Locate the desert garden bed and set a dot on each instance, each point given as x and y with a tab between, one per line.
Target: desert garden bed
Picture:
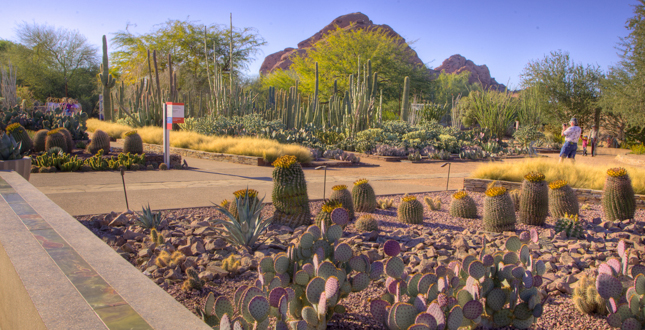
440	239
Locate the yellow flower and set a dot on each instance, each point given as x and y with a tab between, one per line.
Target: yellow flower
252	193
331	205
360	182
131	133
617	172
534	177
557	184
12	127
285	161
459	194
495	191
339	187
408	198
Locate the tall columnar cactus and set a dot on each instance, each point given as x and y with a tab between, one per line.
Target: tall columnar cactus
618	200
363	196
499	213
609	284
410	210
68	138
20	135
343	196
100	141
463	206
107	82
405	100
562	199
506	282
534	202
133	143
289	195
325	212
242	195
55	139
39	140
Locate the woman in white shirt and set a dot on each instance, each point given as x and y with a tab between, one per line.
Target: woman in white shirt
571	136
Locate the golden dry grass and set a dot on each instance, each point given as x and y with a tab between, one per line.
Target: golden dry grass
577	175
270	150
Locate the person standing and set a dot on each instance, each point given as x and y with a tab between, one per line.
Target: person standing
571	136
593	139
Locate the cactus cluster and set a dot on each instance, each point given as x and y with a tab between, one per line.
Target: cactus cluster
325	212
562	199
193	282
499	213
133	143
586	297
410	210
19	134
534	202
618	200
363	196
157	237
451	297
290	193
434	204
384	204
165	259
344	197
609	284
571	225
231	264
366	223
463	206
100	141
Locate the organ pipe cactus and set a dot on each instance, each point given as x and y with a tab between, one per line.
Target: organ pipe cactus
107	82
363	196
612	277
618	200
463	206
534	201
289	196
562	199
450	297
499	213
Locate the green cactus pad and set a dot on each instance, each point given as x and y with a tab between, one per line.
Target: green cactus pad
473	309
503	318
379	310
608	286
463	296
360	282
455	317
639	284
413	284
340	216
418	327
523	324
301	277
248	295
631	324
334	233
522	311
427	319
275	295
306	240
477	269
310	316
425	281
404	315
394	267
326	269
266	264
435	310
358	264
513	244
315	287
511	258
259	308
281	263
222	306
332	286
518	272
540	268
496	299
391	248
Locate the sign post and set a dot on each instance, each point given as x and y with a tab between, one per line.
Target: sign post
173	113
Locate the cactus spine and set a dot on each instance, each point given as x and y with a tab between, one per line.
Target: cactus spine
618	200
562	199
534	202
107	81
463	206
100	141
289	195
343	196
410	211
499	214
20	135
363	196
133	143
405	100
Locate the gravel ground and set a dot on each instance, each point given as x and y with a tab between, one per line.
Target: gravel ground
439	231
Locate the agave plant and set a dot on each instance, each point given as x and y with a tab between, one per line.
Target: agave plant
9	148
245	231
148	219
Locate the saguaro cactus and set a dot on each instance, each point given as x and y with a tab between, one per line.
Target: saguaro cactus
107	81
405	100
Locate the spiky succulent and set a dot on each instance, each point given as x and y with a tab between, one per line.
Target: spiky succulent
325	212
410	210
571	225
343	196
245	229
242	195
463	206
562	199
148	219
495	191
434	204
586	297
618	199
289	194
534	201
617	172
534	177
499	212
366	223
363	196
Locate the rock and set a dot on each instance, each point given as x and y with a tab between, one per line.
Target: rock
186	250
130	235
205	231
563	286
374	255
127	247
197	248
188	263
206	276
121	220
457	64
173	274
217	271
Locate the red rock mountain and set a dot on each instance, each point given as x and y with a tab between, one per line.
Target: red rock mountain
454	64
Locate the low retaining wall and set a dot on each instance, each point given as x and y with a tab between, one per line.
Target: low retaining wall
584	195
228	158
629	159
56	274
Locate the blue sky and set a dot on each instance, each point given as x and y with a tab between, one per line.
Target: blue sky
504	35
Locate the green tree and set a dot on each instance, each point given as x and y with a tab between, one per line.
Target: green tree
338	55
567	89
449	86
184	41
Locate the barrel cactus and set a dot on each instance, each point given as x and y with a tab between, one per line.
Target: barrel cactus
133	143
534	202
68	138
289	195
363	196
55	139
618	200
325	212
343	196
562	199
242	195
39	140
463	206
19	134
499	213
516	194
100	141
410	210
366	223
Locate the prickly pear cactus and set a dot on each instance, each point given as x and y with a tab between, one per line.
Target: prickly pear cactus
133	143
463	206
410	210
344	197
290	193
499	213
363	196
618	200
562	199
534	201
571	225
325	212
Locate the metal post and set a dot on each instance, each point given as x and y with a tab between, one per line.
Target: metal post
324	180
166	137
127	206
448	179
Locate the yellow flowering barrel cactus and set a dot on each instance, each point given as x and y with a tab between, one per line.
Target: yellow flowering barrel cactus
463	206
410	211
618	200
56	139
499	212
562	199
241	196
343	196
133	143
19	134
363	196
534	201
325	212
289	195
